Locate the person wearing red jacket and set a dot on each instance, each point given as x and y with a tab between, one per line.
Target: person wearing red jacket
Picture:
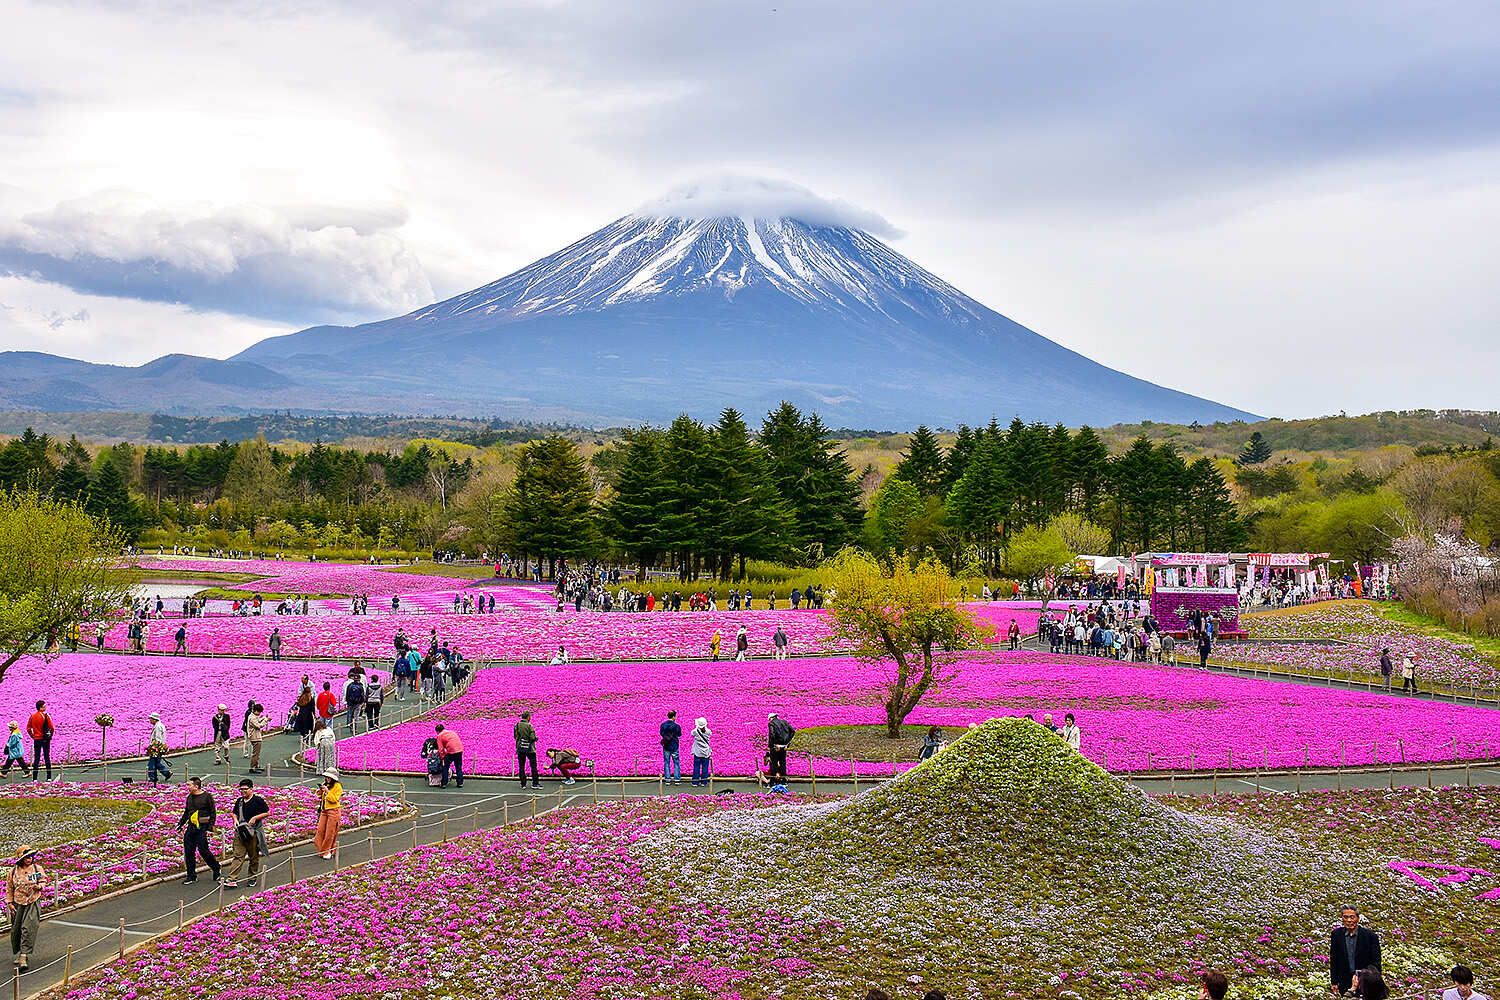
452	749
328	702
39	727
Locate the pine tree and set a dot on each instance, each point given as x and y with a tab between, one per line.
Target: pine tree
634	513
923	464
549	511
749	517
1256	451
815	480
72	481
109	498
958	457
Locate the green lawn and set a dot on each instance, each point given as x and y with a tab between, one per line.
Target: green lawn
48	821
1400	614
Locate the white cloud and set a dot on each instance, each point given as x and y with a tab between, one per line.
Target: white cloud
41	316
761	197
295	264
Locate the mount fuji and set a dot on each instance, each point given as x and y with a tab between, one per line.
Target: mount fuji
692	304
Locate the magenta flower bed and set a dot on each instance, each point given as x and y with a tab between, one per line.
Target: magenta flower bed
151	845
1363	632
1133	718
999	614
289	577
185	690
557	907
511	633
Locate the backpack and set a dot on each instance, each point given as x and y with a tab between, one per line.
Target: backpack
356	695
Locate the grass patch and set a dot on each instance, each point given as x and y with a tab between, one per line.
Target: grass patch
1401	615
865	743
45	822
484	571
222	594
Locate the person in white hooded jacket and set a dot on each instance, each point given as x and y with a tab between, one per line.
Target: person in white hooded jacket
702	751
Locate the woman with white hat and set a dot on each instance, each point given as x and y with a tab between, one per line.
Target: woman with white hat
330	808
24	884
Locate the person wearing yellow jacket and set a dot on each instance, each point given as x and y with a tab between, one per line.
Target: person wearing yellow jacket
330	799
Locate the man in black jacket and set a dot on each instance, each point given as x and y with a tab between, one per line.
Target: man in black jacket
778	737
196	822
1350	948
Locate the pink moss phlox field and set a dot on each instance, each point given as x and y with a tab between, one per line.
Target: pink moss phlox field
1362	633
112	859
512	633
556	906
1133	717
185	690
291	577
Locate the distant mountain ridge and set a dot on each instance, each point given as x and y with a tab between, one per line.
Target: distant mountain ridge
647	317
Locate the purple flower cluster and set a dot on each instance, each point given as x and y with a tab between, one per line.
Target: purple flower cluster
152	846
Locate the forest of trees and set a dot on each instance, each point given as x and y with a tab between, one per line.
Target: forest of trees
709	497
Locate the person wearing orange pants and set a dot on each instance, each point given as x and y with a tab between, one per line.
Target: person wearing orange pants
330	797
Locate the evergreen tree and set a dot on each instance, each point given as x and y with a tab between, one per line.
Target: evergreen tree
1256	450
109	497
959	457
1088	471
72	481
686	522
923	464
815	480
747	515
549	511
634	513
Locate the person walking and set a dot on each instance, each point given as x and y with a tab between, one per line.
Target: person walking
196	822
452	748
220	723
1351	947
157	769
24	885
328	703
702	752
713	646
374	699
273	642
1386	667
14	752
525	734
330	809
779	735
741	644
250	811
355	694
256	724
1408	673
671	741
39	727
181	637
779	640
1205	647
325	743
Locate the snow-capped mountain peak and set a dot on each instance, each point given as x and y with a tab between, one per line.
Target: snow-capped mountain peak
642	257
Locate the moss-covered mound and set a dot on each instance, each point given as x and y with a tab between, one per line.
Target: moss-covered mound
1007	860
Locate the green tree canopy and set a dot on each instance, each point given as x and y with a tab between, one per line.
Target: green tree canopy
59	571
906	619
549	511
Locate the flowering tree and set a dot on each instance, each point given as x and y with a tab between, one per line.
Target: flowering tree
906	619
59	571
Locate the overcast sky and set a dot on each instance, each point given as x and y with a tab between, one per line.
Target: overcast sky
1293	208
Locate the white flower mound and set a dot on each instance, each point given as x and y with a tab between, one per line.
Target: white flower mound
1004	859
